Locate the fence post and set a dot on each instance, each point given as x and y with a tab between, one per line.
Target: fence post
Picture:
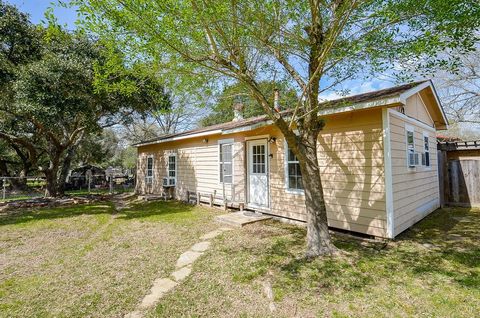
211	199
198	198
111	185
4	188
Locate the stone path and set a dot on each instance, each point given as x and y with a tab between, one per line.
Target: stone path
161	286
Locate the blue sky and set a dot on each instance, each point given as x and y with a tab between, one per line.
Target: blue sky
36	9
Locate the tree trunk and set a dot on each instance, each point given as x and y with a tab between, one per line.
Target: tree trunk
52	173
318	237
62	178
51	179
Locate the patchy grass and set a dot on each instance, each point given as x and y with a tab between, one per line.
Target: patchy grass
432	270
90	260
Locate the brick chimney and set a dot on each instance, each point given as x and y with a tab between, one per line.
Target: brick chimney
237	109
276	100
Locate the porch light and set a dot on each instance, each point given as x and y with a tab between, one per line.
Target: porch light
205	140
272	140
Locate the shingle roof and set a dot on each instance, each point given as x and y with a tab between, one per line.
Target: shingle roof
331	104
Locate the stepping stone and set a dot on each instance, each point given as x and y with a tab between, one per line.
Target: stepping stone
428	246
182	273
159	288
187	258
200	247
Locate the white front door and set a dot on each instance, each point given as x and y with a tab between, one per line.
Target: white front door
258	173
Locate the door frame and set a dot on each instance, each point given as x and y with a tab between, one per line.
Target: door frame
260	140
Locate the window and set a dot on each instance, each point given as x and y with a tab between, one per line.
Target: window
149	173
293	173
258	159
225	160
172	169
412	157
426	151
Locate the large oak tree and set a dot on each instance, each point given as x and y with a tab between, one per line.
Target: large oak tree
315	45
50	99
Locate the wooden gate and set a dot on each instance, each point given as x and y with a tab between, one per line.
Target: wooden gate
459	175
464	182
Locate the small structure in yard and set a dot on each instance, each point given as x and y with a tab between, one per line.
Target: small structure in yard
81	176
377	156
459	172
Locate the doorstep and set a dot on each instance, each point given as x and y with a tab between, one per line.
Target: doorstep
241	218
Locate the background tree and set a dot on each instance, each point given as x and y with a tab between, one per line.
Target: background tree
53	101
314	45
222	110
460	91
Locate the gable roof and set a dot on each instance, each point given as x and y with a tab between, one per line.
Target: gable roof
396	94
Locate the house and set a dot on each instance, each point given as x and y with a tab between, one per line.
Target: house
377	154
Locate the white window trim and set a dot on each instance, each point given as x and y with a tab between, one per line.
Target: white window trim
222	142
409	128
426	134
153	171
287	189
173	154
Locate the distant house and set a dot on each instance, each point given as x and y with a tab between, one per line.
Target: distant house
377	154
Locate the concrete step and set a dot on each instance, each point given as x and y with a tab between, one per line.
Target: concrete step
239	219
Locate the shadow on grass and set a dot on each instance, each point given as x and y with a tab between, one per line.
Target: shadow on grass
168	211
32	215
445	243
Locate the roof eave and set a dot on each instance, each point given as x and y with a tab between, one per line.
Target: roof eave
363	105
200	134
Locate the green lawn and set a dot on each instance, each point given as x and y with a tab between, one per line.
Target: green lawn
93	261
432	270
89	260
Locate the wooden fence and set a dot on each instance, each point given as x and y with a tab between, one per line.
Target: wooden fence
459	176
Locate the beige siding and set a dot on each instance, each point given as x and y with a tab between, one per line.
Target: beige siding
197	167
415	108
415	190
351	162
350	157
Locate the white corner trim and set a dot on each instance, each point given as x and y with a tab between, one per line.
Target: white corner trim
387	155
